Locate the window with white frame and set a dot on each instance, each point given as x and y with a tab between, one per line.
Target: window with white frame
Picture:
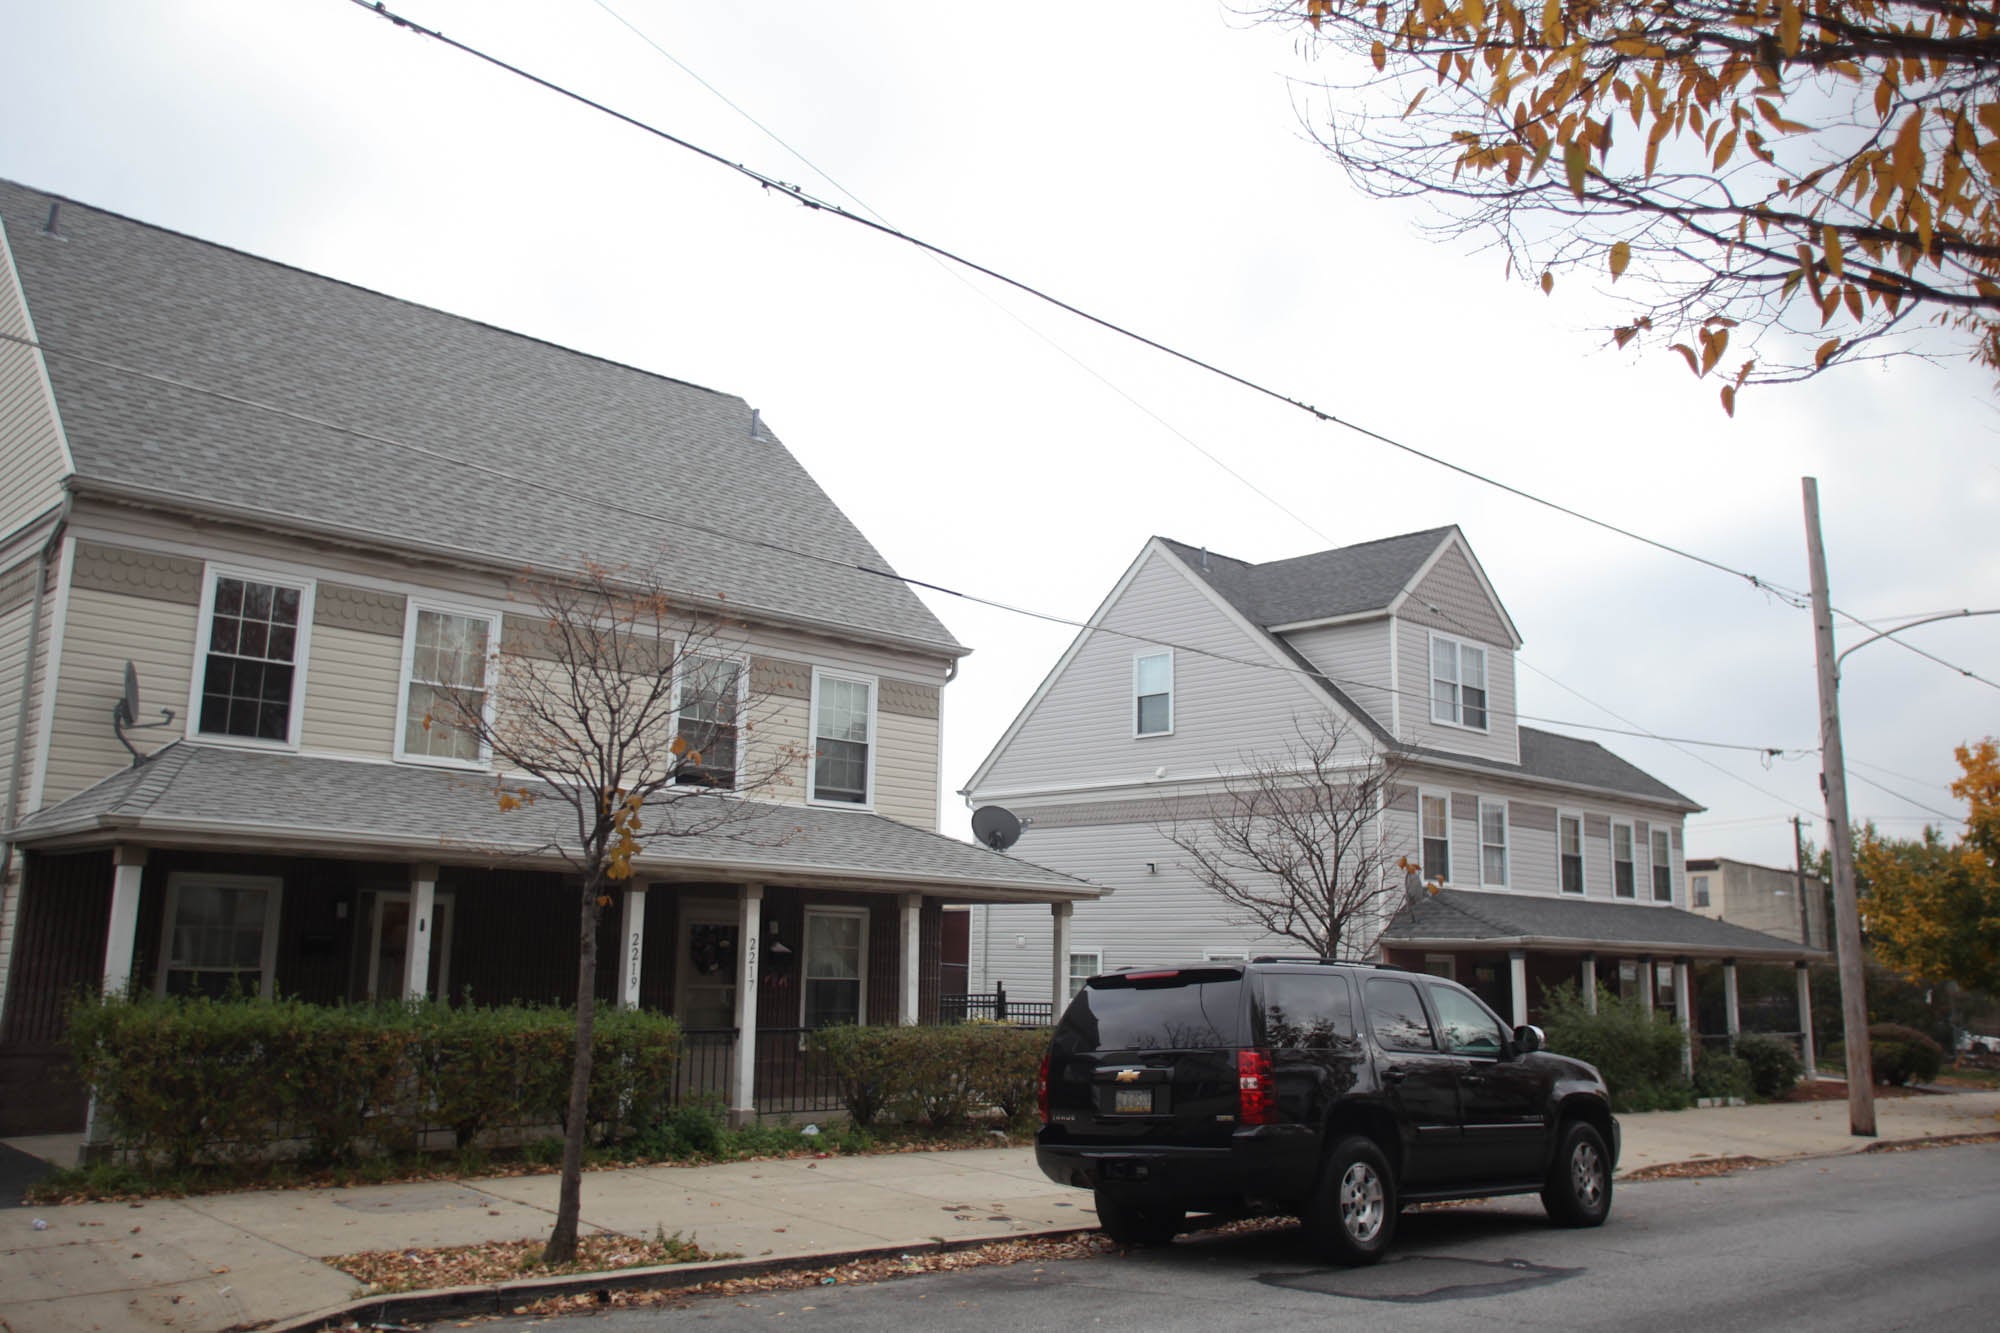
1700	883
1663	866
1569	852
445	689
1083	965
1458	682
1435	816
1624	881
843	738
711	695
221	935
250	679
1153	692
835	967
1493	843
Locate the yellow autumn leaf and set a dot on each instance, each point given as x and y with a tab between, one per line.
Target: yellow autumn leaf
1790	23
1548	282
1621	256
1576	162
1729	399
1380	55
1825	353
1830	244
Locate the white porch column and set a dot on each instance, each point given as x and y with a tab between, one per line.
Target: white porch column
1646	976
1590	983
912	918
1517	965
1806	1051
129	867
632	933
417	952
750	937
1684	1014
1729	1001
1059	957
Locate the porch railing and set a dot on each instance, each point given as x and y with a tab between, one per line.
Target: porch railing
997	1006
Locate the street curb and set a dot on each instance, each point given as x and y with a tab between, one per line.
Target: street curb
502	1297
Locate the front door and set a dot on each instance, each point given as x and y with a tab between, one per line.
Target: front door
705	993
389	945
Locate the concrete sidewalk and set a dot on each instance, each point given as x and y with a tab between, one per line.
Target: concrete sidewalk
246	1260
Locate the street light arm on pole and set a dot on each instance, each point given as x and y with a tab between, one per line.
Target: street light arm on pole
1927	620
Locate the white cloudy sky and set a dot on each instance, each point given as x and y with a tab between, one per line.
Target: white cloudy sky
1145	161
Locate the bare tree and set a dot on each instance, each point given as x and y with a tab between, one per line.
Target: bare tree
617	701
1295	844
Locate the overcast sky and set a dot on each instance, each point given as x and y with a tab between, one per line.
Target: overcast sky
1146	162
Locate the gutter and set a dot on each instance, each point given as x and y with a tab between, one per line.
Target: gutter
1567	945
8	814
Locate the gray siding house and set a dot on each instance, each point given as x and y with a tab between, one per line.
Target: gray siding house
199	448
1548	859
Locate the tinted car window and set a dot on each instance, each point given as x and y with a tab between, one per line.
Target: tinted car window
1303	1012
1397	1015
1468	1028
1112	1014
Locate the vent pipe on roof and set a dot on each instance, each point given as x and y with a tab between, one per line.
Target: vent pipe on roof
55	209
756	423
1204	560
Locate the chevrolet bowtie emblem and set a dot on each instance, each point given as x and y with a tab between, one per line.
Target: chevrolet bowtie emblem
1128	1076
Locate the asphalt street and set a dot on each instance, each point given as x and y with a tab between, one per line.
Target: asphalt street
1882	1241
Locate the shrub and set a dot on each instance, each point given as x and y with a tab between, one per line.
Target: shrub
1637	1050
1720	1074
1903	1055
936	1076
1774	1065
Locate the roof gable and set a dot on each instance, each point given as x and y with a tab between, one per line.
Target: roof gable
1325	585
189	374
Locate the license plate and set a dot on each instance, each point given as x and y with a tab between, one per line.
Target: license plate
1129	1101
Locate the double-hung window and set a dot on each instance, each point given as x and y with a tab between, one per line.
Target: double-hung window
1435	814
843	738
1153	692
1569	852
1083	965
1623	874
446	657
1663	866
1493	843
221	935
1701	890
1458	682
711	694
836	967
253	658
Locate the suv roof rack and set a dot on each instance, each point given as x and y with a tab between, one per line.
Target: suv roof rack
1328	962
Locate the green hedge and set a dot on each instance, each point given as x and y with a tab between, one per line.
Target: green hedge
1897	1054
197	1080
1636	1049
1774	1065
939	1077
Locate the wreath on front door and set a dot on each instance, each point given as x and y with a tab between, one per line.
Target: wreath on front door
711	948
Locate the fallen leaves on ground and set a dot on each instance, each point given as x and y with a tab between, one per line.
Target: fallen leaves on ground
1701	1166
1937	1141
384	1271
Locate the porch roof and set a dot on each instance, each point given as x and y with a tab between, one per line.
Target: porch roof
1456	918
225	799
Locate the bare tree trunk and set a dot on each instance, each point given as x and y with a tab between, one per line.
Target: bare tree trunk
561	1248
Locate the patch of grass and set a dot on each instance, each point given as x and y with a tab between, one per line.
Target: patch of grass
1966	1076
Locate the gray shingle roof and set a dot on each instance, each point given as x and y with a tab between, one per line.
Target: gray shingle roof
258	799
1460	916
435	431
1544	754
1345	581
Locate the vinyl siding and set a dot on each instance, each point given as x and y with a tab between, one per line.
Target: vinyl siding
1356	659
13	641
1080	732
351	683
1462	606
32	461
906	769
1500	741
104	630
14	623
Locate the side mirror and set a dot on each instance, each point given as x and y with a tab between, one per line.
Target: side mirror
1528	1039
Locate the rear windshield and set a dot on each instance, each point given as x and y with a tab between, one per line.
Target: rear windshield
1187	1010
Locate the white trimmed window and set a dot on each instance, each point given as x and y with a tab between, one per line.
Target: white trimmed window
1624	875
1434	815
1458	682
843	765
446	657
250	680
1569	852
1083	965
1663	866
1700	890
220	933
709	704
1153	694
1493	843
836	967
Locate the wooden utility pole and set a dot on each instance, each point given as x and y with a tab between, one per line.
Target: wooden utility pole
1833	782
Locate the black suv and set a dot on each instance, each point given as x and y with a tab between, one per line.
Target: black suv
1338	1092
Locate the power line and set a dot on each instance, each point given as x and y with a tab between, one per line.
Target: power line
1890	635
1907	800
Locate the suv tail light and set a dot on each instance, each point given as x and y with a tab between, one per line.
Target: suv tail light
1256	1090
1042	1088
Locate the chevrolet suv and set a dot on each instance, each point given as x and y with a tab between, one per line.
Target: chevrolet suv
1336	1092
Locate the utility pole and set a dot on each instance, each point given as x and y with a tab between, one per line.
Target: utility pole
1799	872
1833	782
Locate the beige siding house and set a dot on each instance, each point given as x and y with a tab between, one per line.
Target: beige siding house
265	498
1540	858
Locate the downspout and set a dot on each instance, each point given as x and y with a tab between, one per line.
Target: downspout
49	548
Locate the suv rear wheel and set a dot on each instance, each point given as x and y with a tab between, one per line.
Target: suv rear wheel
1578	1192
1138	1223
1354	1214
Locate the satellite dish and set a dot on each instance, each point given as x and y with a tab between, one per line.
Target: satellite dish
125	714
129	705
995	826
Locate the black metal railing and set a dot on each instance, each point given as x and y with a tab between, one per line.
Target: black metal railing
998	1007
703	1067
792	1077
